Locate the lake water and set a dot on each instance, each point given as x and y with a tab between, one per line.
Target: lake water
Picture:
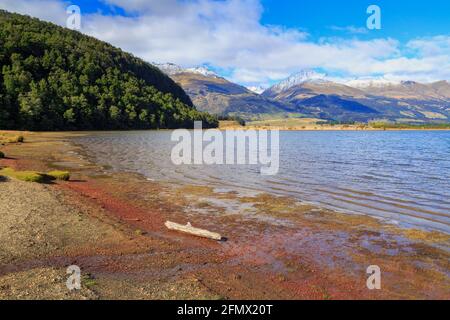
400	176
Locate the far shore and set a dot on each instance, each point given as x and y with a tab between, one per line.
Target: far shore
112	226
328	128
315	125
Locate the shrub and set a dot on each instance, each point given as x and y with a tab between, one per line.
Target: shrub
30	176
2	155
59	175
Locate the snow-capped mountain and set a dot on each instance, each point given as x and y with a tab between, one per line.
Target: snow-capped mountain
173	69
203	71
297	79
317	95
169	68
212	93
257	89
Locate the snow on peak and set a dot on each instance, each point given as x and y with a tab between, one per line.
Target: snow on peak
169	68
257	89
299	78
173	69
203	71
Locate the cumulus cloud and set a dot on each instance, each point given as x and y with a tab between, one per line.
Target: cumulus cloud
229	36
49	10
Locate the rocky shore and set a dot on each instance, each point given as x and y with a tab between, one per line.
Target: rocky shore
112	227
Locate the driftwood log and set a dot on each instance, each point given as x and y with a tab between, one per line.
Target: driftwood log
194	231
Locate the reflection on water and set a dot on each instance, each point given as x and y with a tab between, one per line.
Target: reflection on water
402	176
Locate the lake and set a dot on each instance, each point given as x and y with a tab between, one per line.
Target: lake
402	177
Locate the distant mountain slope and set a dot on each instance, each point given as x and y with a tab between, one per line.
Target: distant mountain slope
217	95
412	90
442	88
363	100
53	78
311	88
335	108
411	101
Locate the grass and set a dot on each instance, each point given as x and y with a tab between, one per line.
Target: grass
285	122
392	125
88	281
228	124
59	175
29	176
34	176
277	116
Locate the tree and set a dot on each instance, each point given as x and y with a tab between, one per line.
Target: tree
54	79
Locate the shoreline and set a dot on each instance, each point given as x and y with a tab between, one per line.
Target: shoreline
277	248
329	129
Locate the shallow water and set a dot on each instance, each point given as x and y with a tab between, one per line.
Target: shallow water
400	176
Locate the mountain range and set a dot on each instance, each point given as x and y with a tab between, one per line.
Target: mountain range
314	94
214	94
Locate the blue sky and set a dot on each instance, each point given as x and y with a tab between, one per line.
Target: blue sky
260	42
401	19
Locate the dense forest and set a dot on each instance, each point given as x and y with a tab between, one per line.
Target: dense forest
52	78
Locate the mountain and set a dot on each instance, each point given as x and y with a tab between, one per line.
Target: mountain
410	100
316	95
212	93
333	107
172	69
365	83
308	88
257	89
409	90
53	78
303	77
313	94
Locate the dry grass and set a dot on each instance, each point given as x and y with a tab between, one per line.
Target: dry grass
10	137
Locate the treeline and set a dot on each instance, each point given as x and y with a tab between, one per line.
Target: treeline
53	78
238	119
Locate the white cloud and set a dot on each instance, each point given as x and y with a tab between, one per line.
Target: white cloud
49	10
350	29
229	36
438	45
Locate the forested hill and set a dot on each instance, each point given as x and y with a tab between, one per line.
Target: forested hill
53	78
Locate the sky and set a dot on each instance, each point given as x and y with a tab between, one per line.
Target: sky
260	42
